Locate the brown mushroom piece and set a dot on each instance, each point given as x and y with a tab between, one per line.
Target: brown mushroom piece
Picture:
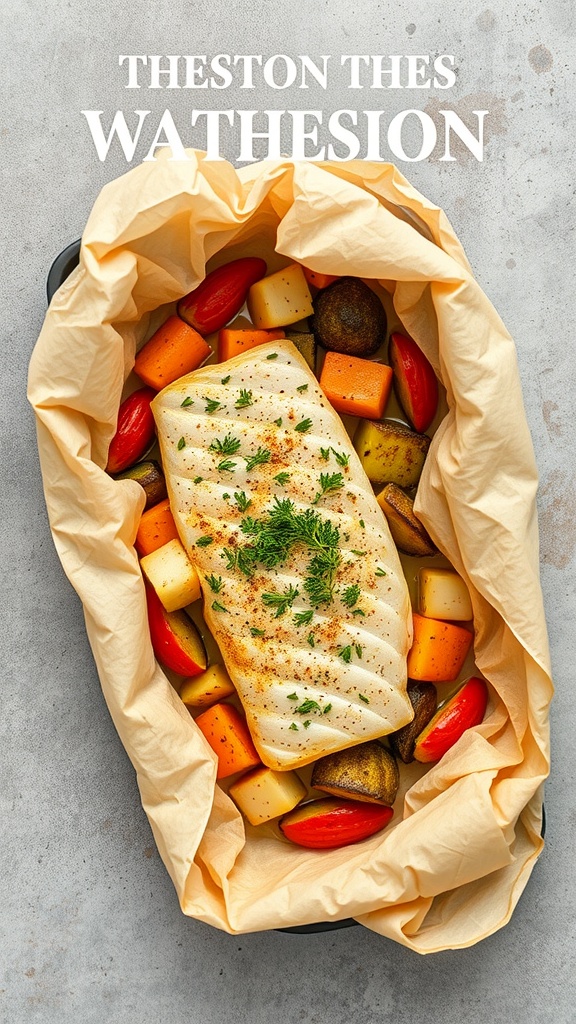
349	318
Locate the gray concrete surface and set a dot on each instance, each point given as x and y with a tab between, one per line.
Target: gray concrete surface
91	931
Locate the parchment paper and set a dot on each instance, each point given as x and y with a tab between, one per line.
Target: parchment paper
466	834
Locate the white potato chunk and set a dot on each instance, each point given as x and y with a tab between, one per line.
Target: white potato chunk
210	686
442	594
280	299
264	794
172	575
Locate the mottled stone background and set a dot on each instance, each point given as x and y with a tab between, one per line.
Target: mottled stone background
91	928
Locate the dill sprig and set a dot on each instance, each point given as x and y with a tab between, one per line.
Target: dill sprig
281	602
341	458
328	482
325	453
226	379
215	583
242	502
203	542
304	618
211	404
346	653
262	455
351	595
229	446
226	466
282	478
217	607
245	399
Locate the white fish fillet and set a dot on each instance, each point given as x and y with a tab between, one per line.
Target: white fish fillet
308	687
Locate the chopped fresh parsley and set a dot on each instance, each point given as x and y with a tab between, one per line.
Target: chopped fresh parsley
257	632
278	422
211	404
225	379
366	700
307	706
302	388
292	696
381	572
203	542
346	654
217	607
273	355
181	444
307	723
187	401
226	466
282	478
198	479
294	727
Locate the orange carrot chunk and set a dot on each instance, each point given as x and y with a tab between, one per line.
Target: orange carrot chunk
228	735
156	528
356	386
174	349
318	280
232	340
439	650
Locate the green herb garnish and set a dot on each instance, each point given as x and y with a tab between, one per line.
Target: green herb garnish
278	422
327	709
229	446
311	640
303	426
307	706
187	401
292	696
198	479
273	355
294	727
226	466
217	607
328	482
282	478
360	554
325	453
262	455
225	379
302	388
245	399
362	524
281	602
346	654
304	618
257	632
307	723
341	458
242	502
215	583
226	496
211	404
351	595
358	648
381	572
203	542
358	611
181	444
366	700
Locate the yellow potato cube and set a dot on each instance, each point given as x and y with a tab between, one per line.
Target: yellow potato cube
442	594
264	794
172	575
280	299
210	686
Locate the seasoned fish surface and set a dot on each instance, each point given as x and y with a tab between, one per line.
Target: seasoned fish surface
303	588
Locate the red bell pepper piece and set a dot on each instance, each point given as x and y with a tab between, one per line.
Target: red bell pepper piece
221	294
330	822
134	431
465	709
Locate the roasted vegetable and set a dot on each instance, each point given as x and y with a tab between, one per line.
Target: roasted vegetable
280	299
415	382
465	709
305	342
226	731
390	452
135	431
211	686
439	650
407	531
349	318
424	701
176	641
156	528
173	350
442	594
150	477
264	794
358	387
327	823
221	294
367	772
